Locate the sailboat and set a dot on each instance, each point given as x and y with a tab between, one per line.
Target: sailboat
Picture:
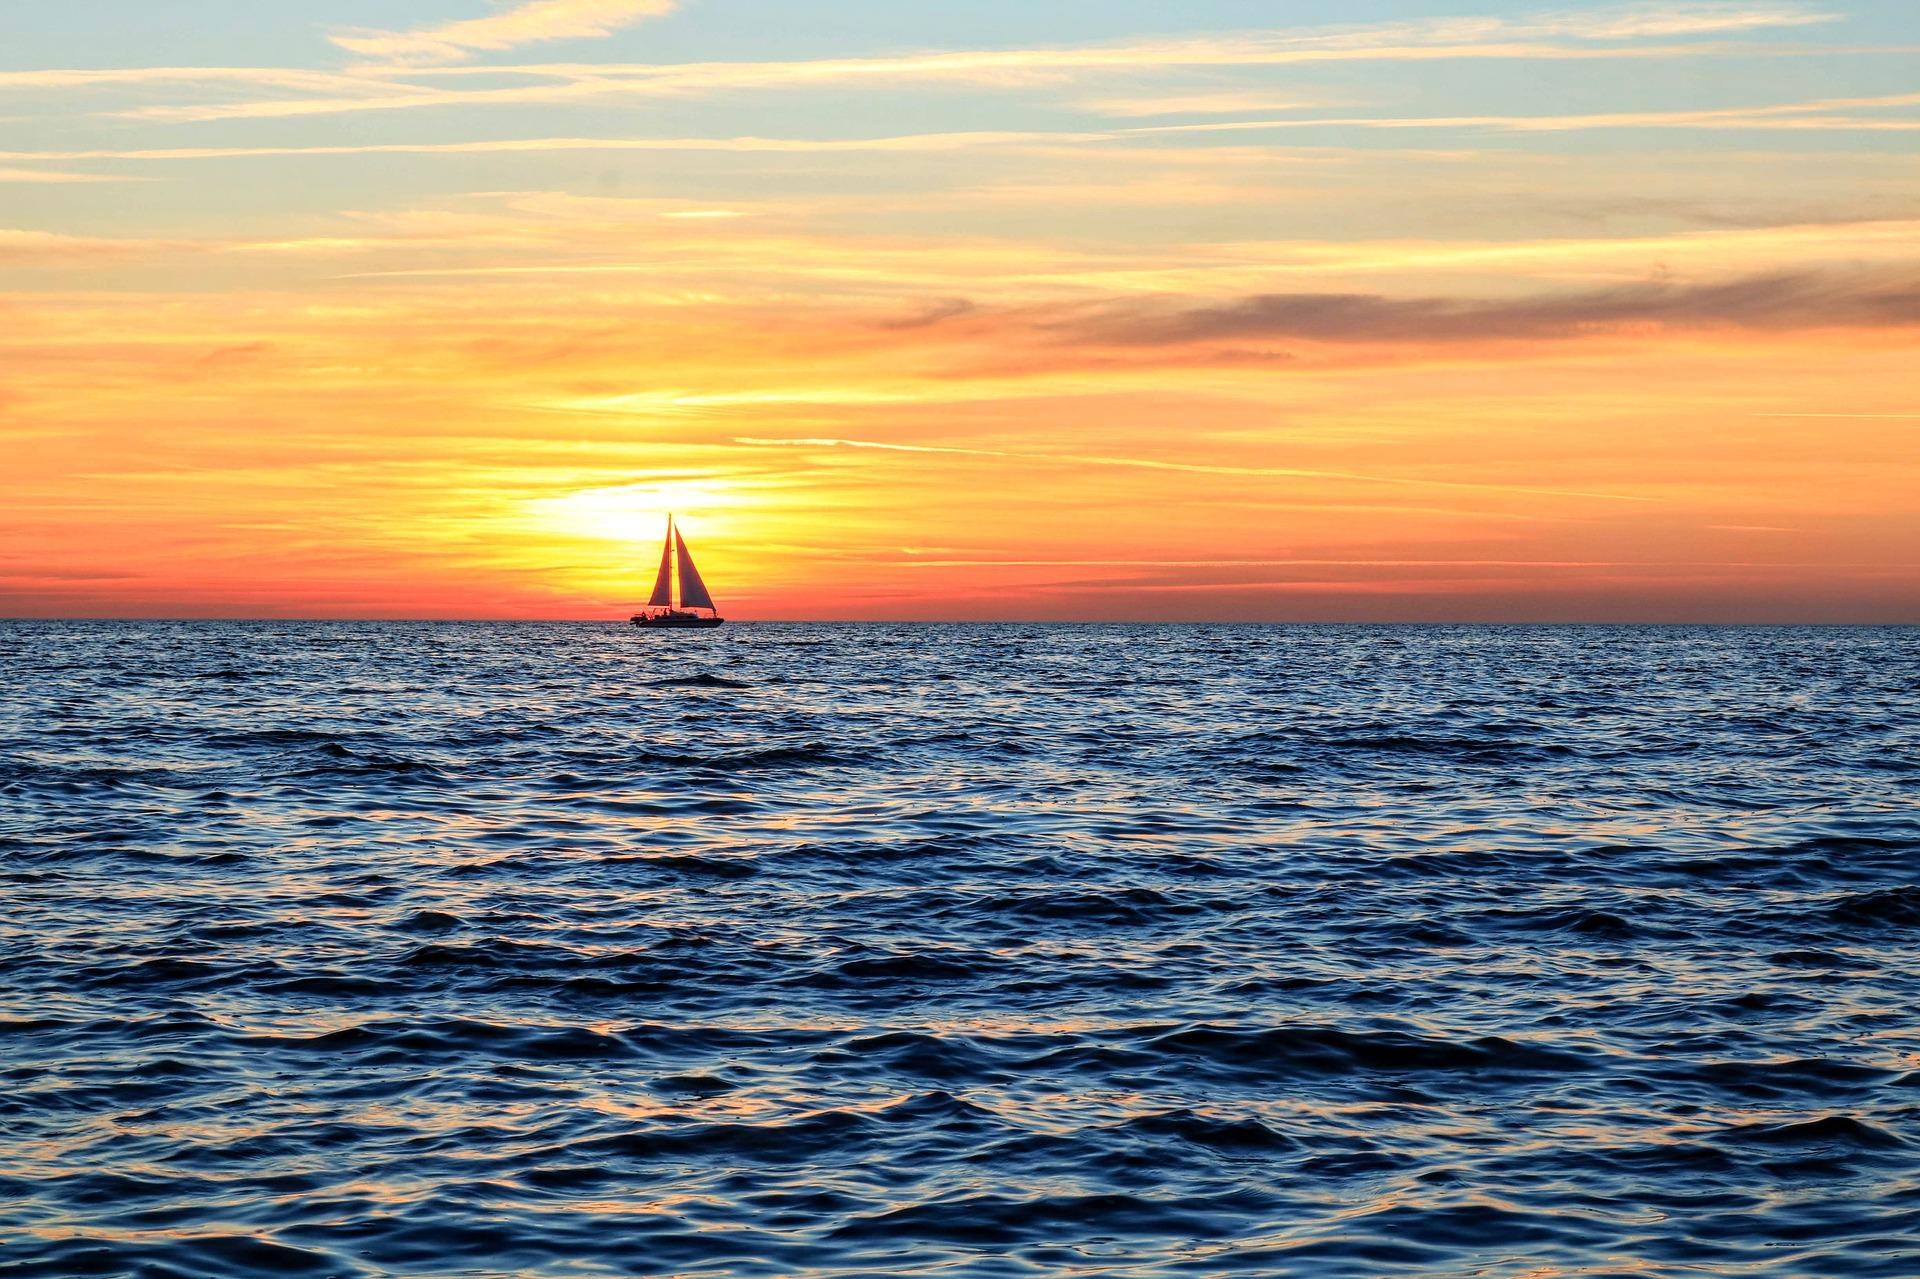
680	598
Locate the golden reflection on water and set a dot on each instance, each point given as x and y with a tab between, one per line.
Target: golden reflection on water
489	938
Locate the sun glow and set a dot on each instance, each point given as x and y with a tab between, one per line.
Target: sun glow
636	514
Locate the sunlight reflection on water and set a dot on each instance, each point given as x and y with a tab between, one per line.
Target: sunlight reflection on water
1335	951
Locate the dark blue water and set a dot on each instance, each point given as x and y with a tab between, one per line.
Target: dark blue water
400	950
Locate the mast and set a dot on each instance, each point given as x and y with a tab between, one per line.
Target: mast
666	555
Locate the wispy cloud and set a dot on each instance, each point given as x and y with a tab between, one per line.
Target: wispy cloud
1222	102
1015	68
1360	563
1640	21
1809	114
50	176
272	77
932	142
1604	34
46	248
529	23
1778	301
1188	468
1813	114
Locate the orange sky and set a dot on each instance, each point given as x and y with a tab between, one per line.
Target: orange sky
1026	336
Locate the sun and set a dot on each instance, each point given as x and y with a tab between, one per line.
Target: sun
635	513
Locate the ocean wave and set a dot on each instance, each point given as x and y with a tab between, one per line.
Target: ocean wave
408	949
705	679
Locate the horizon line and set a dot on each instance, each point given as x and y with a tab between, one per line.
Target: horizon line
964	621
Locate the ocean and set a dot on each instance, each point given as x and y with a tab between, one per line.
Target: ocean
392	949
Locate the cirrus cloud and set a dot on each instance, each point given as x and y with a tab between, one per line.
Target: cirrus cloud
531	23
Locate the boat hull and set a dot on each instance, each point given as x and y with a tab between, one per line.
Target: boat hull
677	623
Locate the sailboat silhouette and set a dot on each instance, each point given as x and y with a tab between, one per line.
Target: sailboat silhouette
680	597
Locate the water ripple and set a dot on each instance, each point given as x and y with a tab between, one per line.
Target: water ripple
397	950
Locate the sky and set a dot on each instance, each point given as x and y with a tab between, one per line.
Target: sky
1459	310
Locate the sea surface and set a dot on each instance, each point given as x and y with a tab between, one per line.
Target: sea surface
996	950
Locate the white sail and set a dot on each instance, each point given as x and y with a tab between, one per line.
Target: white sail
693	591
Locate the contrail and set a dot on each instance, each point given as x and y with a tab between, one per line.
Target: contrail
1191	468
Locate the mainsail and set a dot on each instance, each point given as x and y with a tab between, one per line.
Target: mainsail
662	596
693	591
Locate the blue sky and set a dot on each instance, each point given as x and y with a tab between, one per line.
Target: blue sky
1720	55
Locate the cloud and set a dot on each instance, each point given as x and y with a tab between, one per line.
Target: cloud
54	176
587	84
932	142
1357	563
1810	114
1224	102
1815	114
46	248
275	77
1642	21
929	315
1188	468
530	23
1602	34
1779	301
993	68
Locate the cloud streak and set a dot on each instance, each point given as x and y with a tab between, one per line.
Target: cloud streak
530	23
1816	114
112	77
1014	68
1187	468
1223	102
898	142
1784	300
1810	114
1384	563
48	248
1606	34
53	176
